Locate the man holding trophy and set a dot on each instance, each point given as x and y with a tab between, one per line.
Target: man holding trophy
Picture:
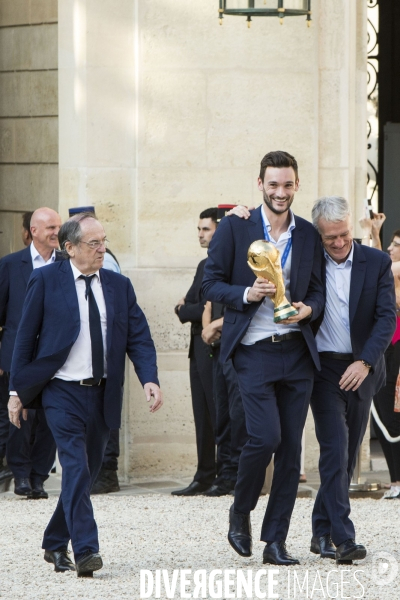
267	333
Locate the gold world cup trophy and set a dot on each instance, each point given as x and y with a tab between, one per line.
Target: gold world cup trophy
265	261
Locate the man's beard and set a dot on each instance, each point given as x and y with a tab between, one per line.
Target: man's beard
271	207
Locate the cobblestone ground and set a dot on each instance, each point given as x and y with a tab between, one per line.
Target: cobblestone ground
160	532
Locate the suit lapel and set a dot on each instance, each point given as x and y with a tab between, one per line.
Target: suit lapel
255	229
68	286
357	279
108	292
26	264
298	238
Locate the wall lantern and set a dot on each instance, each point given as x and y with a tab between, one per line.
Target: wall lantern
265	8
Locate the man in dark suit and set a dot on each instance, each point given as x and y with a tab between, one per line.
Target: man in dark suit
354	331
78	323
29	463
190	309
274	362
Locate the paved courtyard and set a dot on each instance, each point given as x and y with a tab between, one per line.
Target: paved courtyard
155	531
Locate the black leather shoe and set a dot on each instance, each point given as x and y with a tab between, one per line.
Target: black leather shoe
22	487
106	482
349	551
275	553
193	489
323	545
220	489
38	490
60	560
88	563
239	534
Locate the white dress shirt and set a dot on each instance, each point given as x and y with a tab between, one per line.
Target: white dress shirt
262	324
334	333
38	260
79	362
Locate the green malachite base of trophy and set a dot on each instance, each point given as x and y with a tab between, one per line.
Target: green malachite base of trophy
283	312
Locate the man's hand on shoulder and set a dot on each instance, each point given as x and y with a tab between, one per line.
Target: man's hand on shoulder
240	211
15	408
261	288
152	391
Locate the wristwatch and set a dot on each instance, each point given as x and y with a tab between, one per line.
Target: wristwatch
366	364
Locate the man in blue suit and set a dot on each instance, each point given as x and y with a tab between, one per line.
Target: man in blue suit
78	323
30	464
354	331
274	362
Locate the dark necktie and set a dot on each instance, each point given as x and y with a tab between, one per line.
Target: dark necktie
96	336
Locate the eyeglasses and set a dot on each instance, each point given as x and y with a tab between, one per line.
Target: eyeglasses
96	244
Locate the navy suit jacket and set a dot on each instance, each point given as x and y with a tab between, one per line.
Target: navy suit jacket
372	313
50	325
227	275
15	270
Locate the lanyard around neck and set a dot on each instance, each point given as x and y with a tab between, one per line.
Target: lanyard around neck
287	249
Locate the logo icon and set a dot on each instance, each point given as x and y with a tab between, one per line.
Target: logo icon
384	568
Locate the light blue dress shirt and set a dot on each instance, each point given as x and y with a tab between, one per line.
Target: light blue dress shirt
334	333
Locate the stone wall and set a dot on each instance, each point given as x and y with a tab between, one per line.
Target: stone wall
28	113
164	113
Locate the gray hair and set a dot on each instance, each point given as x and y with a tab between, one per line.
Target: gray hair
71	230
330	208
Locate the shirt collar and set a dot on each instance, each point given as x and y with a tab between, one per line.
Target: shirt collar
35	254
347	262
292	223
76	272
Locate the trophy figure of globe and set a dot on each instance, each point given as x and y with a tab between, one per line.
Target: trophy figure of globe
265	261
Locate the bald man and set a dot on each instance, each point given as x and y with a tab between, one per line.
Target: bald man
30	463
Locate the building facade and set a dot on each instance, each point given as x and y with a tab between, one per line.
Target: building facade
151	111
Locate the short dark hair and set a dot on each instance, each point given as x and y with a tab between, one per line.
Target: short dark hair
70	231
279	159
395	234
26	222
209	213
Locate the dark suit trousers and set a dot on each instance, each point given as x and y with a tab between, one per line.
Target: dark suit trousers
4	420
231	432
30	456
76	417
275	380
201	384
340	422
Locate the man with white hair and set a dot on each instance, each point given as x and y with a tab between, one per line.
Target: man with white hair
352	335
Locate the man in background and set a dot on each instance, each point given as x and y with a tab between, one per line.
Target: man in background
190	309
29	463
